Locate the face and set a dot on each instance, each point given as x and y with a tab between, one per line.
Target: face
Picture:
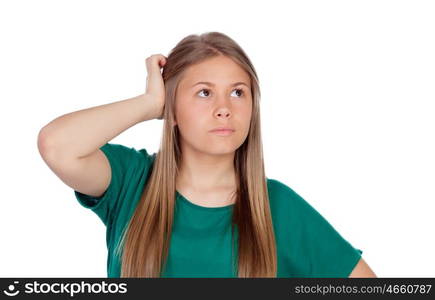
201	107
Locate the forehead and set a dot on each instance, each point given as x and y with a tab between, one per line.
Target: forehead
219	70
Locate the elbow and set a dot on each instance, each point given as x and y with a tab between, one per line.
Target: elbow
44	142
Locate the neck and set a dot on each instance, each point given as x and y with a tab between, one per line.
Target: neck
203	172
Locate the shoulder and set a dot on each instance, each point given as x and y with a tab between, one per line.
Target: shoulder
283	195
120	149
286	203
277	188
127	156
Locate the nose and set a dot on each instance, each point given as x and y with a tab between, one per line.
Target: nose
223	110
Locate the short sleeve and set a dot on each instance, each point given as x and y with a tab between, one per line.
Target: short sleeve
127	166
329	253
308	245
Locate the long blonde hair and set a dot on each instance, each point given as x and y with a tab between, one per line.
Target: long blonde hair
146	240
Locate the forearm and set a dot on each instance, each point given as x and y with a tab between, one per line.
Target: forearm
82	132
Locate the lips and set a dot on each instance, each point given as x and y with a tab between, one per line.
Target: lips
222	132
222	129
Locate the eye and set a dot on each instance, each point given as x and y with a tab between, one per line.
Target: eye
241	92
204	90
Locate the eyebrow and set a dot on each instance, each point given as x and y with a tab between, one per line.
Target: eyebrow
212	84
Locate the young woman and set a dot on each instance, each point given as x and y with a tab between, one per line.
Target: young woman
201	206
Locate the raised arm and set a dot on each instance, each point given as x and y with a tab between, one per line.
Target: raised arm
70	144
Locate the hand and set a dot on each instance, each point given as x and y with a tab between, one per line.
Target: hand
155	87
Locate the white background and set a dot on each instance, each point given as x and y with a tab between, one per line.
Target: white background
347	112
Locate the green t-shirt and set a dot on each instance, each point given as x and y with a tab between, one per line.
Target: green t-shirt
307	244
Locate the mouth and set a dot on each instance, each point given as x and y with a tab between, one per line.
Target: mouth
223	132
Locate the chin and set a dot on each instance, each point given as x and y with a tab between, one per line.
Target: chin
216	150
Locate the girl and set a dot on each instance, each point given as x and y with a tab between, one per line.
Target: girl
201	206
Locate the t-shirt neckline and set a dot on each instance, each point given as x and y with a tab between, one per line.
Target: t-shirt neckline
205	208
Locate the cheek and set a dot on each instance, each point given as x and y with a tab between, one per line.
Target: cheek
191	118
243	114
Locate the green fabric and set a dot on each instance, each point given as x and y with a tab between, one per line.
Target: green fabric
307	245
